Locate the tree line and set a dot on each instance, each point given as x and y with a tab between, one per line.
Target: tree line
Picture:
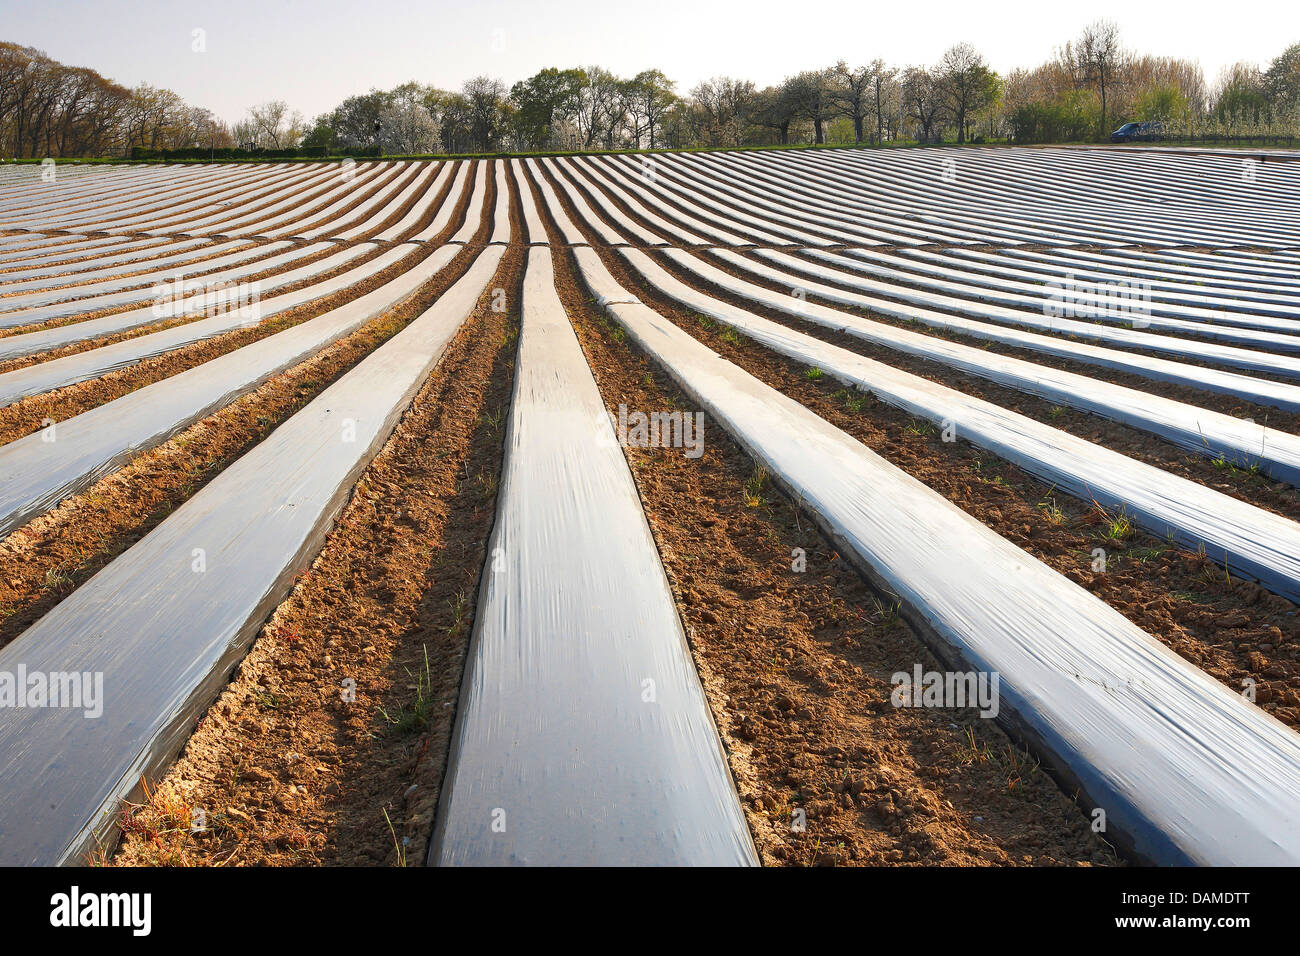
1090	85
49	109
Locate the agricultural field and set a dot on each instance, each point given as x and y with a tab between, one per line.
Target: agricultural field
834	507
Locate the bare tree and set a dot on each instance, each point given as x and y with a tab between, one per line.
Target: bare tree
407	125
725	104
599	106
966	83
647	97
923	101
274	125
1282	81
155	118
774	109
485	99
1101	60
882	91
852	91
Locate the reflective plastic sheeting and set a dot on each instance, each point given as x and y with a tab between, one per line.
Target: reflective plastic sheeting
191	296
94	362
1249	540
1151	739
41	469
164	631
583	736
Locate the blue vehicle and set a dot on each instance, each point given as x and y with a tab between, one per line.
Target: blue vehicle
1138	133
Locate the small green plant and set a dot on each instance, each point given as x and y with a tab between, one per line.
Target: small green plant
1051	512
731	335
1120	527
813	373
886	613
973	752
754	487
493	419
459	616
487	485
1236	468
1143	555
266	700
415	713
57	580
1015	764
853	400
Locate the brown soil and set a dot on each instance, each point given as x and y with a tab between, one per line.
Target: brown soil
199	269
24	417
364	191
9	365
71	274
1238	482
45	560
142	190
1235	479
428	217
80	257
1093	371
797	669
287	771
1230	628
796	665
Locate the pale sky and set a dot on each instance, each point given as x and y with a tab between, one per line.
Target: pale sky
314	54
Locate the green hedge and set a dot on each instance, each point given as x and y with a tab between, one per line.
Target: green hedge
140	154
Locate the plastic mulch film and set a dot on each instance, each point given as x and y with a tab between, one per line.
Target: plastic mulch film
1279	394
16	308
1152	740
1250	541
501	211
237	313
419	186
163	624
188	296
533	227
583	736
474	213
1190	426
41	469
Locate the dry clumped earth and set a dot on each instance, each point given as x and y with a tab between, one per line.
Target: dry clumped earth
796	665
286	769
